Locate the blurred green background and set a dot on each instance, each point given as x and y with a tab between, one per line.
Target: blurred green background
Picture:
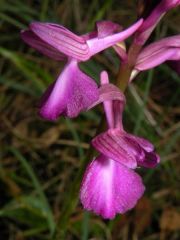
41	163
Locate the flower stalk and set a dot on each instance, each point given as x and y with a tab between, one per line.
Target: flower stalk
127	67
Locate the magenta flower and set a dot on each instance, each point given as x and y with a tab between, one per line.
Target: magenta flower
153	19
110	184
144	58
109	187
82	47
73	91
158	52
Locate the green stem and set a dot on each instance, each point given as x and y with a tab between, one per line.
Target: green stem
127	67
123	77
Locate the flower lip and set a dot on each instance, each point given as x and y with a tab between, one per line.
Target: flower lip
108	188
110	185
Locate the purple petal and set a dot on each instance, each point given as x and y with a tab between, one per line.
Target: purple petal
168	4
31	39
103	29
151	160
145	144
176	55
108	109
109	92
78	47
156	58
106	28
61	39
111	95
152	20
109	188
118	108
173	41
121	52
99	44
72	93
158	52
112	144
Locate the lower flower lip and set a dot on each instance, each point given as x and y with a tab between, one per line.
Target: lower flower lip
104	188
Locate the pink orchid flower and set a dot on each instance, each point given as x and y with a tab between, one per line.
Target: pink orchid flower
73	91
110	184
158	52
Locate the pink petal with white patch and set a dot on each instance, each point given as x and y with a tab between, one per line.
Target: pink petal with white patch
109	188
72	93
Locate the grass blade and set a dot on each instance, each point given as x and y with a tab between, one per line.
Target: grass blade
37	186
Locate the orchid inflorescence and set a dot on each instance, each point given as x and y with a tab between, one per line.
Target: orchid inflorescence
110	184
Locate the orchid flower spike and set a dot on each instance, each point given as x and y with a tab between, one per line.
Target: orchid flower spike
153	19
110	184
73	91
